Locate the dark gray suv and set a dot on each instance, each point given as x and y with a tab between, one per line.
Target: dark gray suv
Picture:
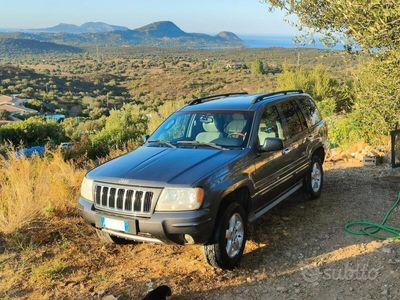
209	169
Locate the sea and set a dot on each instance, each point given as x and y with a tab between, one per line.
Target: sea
267	41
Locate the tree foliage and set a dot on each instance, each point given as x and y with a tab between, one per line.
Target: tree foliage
370	23
257	67
373	25
377	105
332	95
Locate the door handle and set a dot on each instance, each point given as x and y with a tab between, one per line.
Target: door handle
286	150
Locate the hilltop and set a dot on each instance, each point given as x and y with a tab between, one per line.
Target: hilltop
89	27
12	46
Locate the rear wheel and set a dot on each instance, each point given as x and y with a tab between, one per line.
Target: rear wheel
314	178
107	238
230	238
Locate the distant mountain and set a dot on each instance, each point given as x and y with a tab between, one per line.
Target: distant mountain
90	27
161	29
160	34
229	36
27	46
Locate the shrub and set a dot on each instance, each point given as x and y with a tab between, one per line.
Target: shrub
4	114
32	132
122	126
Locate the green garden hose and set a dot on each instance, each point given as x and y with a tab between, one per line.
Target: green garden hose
371	229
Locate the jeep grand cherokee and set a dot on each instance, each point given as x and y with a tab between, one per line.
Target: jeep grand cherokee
209	169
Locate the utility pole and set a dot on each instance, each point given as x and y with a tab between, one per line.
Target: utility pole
298	59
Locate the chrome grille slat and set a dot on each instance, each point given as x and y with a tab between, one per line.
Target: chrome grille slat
123	203
142	201
124	197
128	200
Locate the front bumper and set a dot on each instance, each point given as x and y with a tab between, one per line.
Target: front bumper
161	227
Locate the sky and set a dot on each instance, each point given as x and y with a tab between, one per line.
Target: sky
244	17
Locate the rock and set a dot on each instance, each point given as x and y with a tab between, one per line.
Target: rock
109	297
248	279
281	289
296	284
386	250
297	291
149	283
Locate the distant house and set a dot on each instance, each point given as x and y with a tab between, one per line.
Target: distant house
5	99
15	106
16	109
56	117
13	100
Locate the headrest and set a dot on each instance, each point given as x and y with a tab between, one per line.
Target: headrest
237	124
237	117
210	127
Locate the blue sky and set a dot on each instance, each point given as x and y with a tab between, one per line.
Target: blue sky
248	17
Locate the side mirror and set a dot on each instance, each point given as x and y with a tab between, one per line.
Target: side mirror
271	144
145	137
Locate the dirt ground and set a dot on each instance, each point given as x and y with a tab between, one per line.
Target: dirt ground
297	251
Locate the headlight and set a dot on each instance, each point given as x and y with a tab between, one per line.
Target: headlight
87	189
179	199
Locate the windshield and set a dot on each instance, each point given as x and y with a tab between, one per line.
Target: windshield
227	129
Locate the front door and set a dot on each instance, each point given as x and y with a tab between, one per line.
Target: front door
269	166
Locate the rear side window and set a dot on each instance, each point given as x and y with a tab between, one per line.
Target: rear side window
294	125
310	110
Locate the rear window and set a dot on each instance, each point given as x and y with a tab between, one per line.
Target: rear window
310	110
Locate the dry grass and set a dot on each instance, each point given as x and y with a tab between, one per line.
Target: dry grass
31	188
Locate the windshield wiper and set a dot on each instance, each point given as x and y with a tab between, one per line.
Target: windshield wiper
162	142
197	143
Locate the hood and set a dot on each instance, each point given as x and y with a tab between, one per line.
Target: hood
159	166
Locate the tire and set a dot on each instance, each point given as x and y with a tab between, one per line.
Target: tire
216	254
106	238
315	178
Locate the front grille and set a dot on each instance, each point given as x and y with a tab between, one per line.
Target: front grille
129	200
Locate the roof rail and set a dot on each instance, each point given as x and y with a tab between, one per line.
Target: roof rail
209	98
262	97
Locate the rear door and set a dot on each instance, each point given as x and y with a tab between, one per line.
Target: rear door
296	140
317	132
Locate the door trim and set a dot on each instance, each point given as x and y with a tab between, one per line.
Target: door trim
278	200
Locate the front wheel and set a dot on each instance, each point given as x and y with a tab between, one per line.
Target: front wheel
230	238
314	178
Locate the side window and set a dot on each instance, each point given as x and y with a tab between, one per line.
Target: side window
293	121
270	124
310	110
300	114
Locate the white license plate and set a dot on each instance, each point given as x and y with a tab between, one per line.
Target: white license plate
114	224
